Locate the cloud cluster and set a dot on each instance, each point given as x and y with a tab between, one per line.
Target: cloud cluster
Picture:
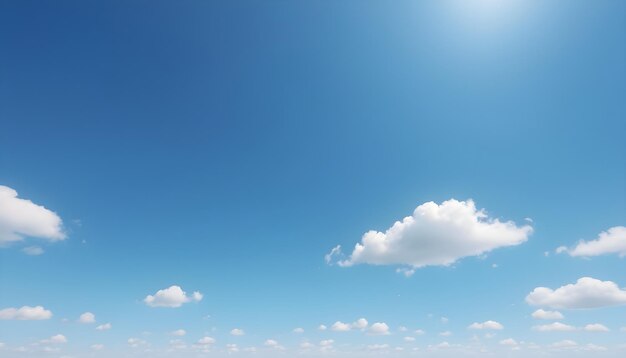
612	241
25	313
87	317
434	235
587	292
21	218
173	296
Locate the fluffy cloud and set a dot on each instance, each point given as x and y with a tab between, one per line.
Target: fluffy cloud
25	313
435	235
552	327
173	296
587	292
237	332
612	241
56	339
379	329
273	344
340	327
486	325
21	217
178	332
104	327
87	317
542	314
298	330
596	327
322	327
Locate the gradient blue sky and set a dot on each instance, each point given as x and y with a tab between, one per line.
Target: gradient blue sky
227	146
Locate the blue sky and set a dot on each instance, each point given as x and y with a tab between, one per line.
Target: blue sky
228	147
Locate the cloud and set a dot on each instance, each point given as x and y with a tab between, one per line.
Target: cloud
104	327
25	313
206	341
174	296
21	218
409	339
552	327
33	250
322	327
97	347
298	330
552	315
436	235
612	241
361	323
379	329
273	344
340	327
87	317
508	342
486	325
136	342
178	332
587	292
237	332
445	334
596	327
56	339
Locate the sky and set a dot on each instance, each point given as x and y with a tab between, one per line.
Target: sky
312	178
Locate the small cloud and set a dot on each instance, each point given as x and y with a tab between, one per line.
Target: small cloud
612	241
178	333
552	327
237	332
87	317
379	329
298	330
173	296
587	292
596	327
322	327
551	315
56	339
508	342
104	327
445	334
33	250
486	325
97	347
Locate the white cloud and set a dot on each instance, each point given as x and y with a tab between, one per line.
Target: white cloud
21	218
612	241
377	347
340	327
486	325
232	348
445	334
587	292
361	323
596	327
87	317
306	345
508	342
25	313
436	235
554	327
206	341
237	332
104	327
33	250
173	296
97	347
298	330
56	339
136	342
379	329
178	332
542	314
420	332
326	342
273	344
322	327
409	339
567	343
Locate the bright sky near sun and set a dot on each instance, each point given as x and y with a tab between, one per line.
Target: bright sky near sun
312	178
